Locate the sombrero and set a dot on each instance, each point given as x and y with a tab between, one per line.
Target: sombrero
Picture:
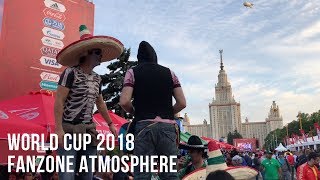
216	162
110	46
194	142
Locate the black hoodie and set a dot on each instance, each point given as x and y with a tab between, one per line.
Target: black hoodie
146	53
153	87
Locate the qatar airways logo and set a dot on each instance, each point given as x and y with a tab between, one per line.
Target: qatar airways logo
48	51
53	33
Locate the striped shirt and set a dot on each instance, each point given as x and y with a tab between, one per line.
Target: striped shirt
84	91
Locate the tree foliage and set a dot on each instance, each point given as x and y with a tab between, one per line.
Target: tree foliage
234	135
278	136
114	82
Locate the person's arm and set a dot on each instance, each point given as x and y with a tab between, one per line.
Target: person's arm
127	91
61	96
65	83
180	100
178	95
125	99
103	110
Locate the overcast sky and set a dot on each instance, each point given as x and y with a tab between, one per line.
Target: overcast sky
271	52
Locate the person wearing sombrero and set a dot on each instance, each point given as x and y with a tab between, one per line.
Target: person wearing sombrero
79	90
215	162
196	155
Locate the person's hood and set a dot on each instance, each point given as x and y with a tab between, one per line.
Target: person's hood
146	53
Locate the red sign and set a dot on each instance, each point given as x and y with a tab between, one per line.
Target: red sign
20	70
248	144
54	14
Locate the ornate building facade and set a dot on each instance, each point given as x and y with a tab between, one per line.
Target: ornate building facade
199	129
260	130
225	114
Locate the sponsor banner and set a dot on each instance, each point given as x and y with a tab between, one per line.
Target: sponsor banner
48	85
55	5
54	14
53	33
53	23
52	42
50	62
49	77
49	51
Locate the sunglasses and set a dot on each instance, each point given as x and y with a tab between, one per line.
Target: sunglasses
97	52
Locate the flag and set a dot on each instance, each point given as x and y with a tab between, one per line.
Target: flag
292	139
316	125
303	135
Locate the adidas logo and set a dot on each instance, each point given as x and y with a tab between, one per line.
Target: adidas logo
55	6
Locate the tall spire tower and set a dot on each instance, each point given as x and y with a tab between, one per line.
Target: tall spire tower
225	114
221	61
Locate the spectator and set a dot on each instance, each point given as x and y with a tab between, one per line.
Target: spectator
247	158
197	153
271	167
303	158
220	175
237	160
256	164
153	88
13	176
55	176
308	170
28	176
285	167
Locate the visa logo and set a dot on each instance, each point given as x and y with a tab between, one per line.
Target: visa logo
50	62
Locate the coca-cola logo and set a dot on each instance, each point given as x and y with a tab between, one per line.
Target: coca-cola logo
54	14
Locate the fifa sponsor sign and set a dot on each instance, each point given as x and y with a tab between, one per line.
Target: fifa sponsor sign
49	51
55	5
49	85
50	62
54	14
53	23
49	77
53	33
52	42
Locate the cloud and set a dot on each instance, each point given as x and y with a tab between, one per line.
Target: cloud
270	51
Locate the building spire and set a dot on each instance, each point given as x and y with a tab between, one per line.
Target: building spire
221	62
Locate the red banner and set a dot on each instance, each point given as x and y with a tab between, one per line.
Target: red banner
317	127
33	32
303	135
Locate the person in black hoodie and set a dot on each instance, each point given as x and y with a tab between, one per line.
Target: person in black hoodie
152	86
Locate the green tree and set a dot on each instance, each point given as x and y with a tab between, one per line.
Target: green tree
234	135
275	137
230	138
114	82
